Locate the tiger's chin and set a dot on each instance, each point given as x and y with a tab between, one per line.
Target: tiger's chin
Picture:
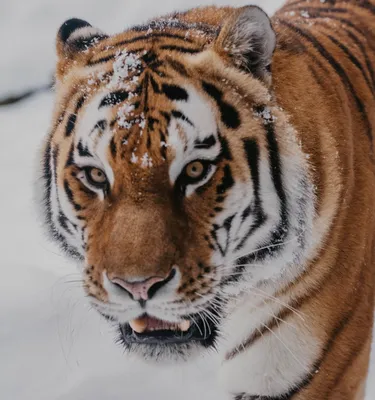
157	340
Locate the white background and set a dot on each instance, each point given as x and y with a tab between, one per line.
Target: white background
52	346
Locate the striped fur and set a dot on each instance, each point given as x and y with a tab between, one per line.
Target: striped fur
274	245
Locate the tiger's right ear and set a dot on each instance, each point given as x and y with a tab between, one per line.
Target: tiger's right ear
248	39
75	36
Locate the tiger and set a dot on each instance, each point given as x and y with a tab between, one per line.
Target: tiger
211	172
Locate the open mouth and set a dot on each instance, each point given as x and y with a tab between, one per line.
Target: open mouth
151	331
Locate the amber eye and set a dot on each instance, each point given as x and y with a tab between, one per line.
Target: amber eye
195	169
96	177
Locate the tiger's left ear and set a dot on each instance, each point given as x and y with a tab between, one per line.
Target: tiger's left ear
75	36
248	39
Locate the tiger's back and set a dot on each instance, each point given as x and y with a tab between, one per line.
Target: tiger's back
328	47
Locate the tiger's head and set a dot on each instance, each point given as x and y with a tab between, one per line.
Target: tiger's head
172	176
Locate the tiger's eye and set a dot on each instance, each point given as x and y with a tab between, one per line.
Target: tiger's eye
195	169
96	175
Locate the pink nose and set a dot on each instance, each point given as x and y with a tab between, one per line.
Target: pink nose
145	289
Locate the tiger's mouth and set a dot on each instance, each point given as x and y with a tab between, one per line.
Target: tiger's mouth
153	331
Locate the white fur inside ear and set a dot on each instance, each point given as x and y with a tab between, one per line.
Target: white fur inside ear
86	32
250	39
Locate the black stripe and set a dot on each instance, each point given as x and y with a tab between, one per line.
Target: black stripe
251	149
114	98
83	151
229	115
80	103
70	125
244	396
55	156
279	234
150	57
70	196
225	152
174	92
103	59
151	121
63	221
102	125
180	49
154	84
47	182
334	15
227	181
144	85
356	40
113	147
321	8
180	115
337	68
166	116
364	53
273	150
163	147
50	175
246	212
363	4
206	143
177	66
226	226
253	158
353	59
70	159
152	37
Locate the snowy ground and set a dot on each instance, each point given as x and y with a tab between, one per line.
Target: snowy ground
52	346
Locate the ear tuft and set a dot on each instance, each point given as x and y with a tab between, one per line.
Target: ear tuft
77	35
249	40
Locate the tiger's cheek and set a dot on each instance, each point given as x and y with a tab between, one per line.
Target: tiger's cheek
197	274
93	283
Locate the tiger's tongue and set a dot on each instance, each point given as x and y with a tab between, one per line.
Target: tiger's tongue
147	323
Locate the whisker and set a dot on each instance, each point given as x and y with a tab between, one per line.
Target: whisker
272	298
287	348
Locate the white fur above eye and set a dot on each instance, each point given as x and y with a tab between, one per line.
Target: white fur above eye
183	135
95	139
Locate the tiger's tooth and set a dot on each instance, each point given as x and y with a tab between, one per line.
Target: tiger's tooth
184	325
138	325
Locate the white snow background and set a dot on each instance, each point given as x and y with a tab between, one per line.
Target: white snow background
52	346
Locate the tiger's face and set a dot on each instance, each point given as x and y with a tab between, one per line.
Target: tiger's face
172	176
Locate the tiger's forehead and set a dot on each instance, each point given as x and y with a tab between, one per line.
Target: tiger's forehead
143	117
164	37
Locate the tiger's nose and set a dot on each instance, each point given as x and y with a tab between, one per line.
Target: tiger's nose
143	290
